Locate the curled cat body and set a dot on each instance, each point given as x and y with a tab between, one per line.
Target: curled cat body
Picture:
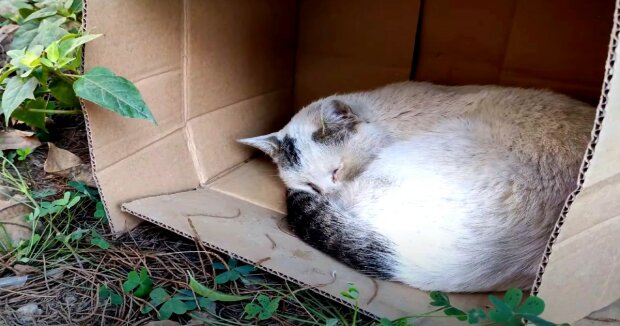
450	188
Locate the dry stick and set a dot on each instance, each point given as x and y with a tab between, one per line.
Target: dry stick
45	273
300	304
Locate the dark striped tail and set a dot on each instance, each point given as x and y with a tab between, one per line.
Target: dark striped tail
327	229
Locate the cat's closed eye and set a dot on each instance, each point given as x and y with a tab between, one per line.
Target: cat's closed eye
335	173
314	187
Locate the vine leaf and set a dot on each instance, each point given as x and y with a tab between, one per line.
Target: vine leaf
16	92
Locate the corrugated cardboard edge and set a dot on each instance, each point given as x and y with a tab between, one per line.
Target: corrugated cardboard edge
89	135
600	116
315	288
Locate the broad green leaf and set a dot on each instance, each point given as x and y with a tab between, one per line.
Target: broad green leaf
213	294
41	13
502	313
457	313
146	284
103	87
439	299
475	315
99	210
67	46
245	269
132	282
78	234
251	310
116	299
171	306
24	35
100	242
49	31
52	52
32	119
513	297
64	93
263	300
273	305
158	296
76	6
206	304
16	92
532	305
10	8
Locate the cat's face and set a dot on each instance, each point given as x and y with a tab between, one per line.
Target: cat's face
316	150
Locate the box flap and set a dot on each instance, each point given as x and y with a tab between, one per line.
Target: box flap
582	266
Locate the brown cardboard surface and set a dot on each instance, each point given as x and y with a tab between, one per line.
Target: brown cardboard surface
256	234
558	44
213	71
350	45
582	273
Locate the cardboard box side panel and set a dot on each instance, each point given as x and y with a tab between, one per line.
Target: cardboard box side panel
160	168
257	182
146	48
463	42
223	222
560	45
214	134
238	50
580	271
351	45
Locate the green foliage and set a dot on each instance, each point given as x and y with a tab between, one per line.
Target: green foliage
264	309
105	293
233	272
214	295
141	284
98	241
43	76
178	304
508	311
22	153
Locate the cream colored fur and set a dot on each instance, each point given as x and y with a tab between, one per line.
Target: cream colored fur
465	182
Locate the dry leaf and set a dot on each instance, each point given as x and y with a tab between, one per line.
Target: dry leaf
25	269
59	159
12	219
16	139
82	173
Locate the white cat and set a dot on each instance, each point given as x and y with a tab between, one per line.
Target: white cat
442	188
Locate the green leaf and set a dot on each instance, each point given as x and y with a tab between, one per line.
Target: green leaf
245	269
77	234
22	153
49	31
213	294
502	313
32	119
52	52
76	6
532	305
351	293
99	210
175	306
513	297
103	87
334	322
24	35
251	310
439	299
16	92
100	242
146	284
272	306
132	282
116	299
475	315
158	296
64	93
41	13
459	314
226	277
67	46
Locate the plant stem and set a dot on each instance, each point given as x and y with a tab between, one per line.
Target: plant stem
68	112
64	76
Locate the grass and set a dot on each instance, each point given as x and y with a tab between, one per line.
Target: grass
69	274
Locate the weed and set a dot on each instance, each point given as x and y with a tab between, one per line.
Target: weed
43	75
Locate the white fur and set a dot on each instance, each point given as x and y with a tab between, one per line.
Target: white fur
465	182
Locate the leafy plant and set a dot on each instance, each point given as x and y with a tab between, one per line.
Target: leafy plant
22	153
214	295
264	309
98	241
43	75
233	272
140	284
105	293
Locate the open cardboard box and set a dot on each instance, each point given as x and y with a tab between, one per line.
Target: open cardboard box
213	71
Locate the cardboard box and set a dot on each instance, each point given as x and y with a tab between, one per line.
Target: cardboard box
213	71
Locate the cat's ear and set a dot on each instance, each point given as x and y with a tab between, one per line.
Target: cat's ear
267	143
338	113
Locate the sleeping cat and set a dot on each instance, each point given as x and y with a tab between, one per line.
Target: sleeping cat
451	188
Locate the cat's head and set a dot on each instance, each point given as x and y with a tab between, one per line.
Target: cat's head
324	145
